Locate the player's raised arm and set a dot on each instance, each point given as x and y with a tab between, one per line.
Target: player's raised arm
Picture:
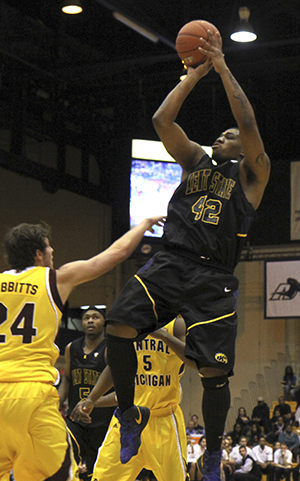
186	152
78	272
255	166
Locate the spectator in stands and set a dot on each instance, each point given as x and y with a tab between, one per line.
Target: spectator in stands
190	429
229	439
261	414
191	455
235	453
263	456
227	463
277	428
199	429
285	409
276	446
276	415
291	439
253	435
243	420
248	470
289	383
199	449
282	463
236	434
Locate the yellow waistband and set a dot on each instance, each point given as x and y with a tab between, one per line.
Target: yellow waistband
159	413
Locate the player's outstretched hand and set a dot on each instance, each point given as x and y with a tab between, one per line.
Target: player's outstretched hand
82	411
156	220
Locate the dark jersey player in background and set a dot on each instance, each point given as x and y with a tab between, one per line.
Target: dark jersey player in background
208	220
85	360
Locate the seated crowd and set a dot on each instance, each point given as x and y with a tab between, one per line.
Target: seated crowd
255	447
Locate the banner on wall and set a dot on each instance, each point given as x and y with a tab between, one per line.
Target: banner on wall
282	289
295	201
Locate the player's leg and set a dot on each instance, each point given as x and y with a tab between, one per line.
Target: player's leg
95	438
5	465
108	466
132	313
35	433
121	358
4	476
51	447
211	334
166	440
76	435
7	441
215	406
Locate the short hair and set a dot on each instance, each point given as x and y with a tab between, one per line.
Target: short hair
22	242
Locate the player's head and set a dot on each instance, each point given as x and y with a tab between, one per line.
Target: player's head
228	146
93	322
27	245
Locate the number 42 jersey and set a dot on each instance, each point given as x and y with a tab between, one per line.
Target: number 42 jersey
30	315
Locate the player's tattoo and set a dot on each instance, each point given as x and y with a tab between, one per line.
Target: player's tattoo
238	93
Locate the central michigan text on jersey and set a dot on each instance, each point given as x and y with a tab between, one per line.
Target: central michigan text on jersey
146	376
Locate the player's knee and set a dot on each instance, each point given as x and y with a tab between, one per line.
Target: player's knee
117	329
215	382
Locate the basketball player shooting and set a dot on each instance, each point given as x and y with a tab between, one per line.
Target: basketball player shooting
209	217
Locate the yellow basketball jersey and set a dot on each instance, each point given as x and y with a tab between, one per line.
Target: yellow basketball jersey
157	383
30	315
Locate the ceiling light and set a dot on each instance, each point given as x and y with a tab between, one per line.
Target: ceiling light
244	31
136	27
71	7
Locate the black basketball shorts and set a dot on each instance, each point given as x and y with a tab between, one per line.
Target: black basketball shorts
170	284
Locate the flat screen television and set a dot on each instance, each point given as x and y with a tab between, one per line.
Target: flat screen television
153	179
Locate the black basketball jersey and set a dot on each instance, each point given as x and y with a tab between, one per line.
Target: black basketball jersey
209	215
84	372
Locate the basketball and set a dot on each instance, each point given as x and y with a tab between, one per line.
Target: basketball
188	41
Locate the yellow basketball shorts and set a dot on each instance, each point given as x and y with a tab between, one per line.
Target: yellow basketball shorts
34	441
163	450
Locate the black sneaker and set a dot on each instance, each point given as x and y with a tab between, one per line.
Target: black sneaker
132	422
210	466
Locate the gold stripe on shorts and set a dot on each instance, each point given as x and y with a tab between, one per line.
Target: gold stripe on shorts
76	442
208	322
148	294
